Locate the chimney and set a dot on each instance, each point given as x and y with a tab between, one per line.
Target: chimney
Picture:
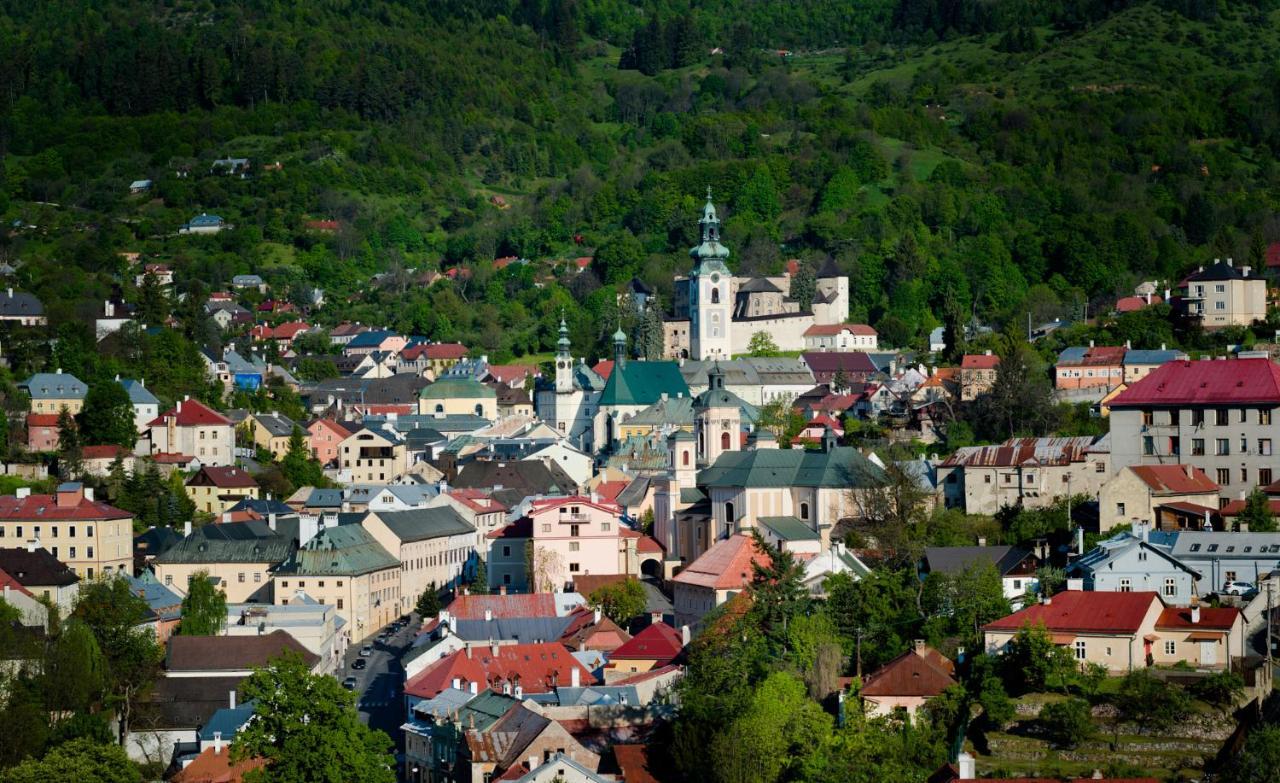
493	649
502	589
655	618
1091	343
1075	585
457	683
231	699
32	545
1046	600
186	529
685	636
597	617
1191	472
1195	613
1244	270
474	688
1128	345
217	742
982	542
532	761
595	496
23	492
986	353
519	694
488	615
575	677
918	645
965	765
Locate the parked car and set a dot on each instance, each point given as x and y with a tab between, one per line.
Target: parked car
349	683
1239	588
366	651
359	663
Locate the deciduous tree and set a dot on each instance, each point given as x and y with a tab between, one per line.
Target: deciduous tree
204	607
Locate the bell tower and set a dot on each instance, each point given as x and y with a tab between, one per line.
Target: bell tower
564	362
709	291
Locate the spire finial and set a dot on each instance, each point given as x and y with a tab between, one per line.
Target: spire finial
708	192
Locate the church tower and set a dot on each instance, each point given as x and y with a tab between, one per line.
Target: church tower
564	362
709	292
717	418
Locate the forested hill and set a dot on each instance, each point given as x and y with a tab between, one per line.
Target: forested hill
957	159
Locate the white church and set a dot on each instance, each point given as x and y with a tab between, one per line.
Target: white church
716	313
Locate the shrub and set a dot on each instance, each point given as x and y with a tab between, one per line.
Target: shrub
1067	723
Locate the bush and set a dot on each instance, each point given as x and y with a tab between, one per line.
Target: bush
1067	723
1221	690
1150	702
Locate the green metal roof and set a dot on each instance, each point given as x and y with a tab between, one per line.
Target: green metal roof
838	467
345	550
642	383
677	411
790	528
457	389
420	524
205	547
691	495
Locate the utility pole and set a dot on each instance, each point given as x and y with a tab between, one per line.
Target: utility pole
859	652
1268	621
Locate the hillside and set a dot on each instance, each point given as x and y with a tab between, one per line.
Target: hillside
982	166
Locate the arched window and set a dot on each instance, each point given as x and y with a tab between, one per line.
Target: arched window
479	410
684	457
804	510
439	408
728	512
724	441
715	296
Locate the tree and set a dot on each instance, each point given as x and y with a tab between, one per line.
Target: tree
619	601
480	584
204	607
298	466
1259	759
70	447
428	604
893	509
1256	516
1067	723
75	670
762	344
1020	400
1221	689
306	728
1034	662
1150	702
777	588
780	417
960	604
803	287
81	760
107	417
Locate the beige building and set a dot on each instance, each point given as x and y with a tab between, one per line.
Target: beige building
194	429
372	456
91	537
240	557
459	396
1132	495
1225	295
215	490
434	545
347	568
977	375
50	392
1025	472
271	431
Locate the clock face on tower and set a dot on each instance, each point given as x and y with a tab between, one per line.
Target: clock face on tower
715	277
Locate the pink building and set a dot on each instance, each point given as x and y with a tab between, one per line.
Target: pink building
324	436
1094	367
575	536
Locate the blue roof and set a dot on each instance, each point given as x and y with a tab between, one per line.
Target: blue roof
138	394
163	602
205	220
227	722
325	498
1134	356
54	386
1074	354
238	365
370	339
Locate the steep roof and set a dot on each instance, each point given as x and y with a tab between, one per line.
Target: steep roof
138	393
222	477
1211	618
191	413
914	673
1174	479
658	642
1021	451
54	386
231	653
533	477
213	766
345	550
1074	611
420	524
841	467
46	507
1205	382
1215	272
835	361
275	424
956	559
725	566
36	568
979	361
19	304
235	542
538	668
643	383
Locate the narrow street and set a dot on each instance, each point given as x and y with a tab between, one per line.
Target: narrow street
379	687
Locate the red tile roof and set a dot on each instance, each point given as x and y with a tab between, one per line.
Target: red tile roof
1174	479
191	413
40	507
472	607
538	668
42	420
1083	612
830	330
1130	304
101	452
445	351
1235	507
1215	618
322	225
725	566
659	642
1205	382
546	504
633	760
214	767
521	528
478	500
1099	355
7	581
224	478
914	673
330	424
979	361
603	368
608	490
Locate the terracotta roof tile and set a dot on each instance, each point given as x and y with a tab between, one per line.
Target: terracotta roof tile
659	642
914	673
538	668
1205	382
472	607
1214	618
725	566
191	413
1083	612
979	361
1175	479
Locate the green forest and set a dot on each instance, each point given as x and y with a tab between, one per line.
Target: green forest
959	160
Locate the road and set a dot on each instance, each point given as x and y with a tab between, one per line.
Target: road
379	687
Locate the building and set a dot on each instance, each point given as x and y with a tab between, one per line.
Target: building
1015	565
380	341
372	455
43	432
239	557
1221	557
50	393
719	574
39	572
842	368
1095	367
1126	631
271	432
1135	493
716	314
215	490
232	656
430	360
631	387
434	546
314	625
1025	472
1223	295
656	646
907	682
1138	364
757	380
93	538
977	375
567	401
204	223
1129	562
146	406
192	428
324	439
347	568
459	396
509	669
841	337
21	308
1215	415
578	535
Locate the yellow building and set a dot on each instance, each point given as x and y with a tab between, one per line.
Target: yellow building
215	490
50	392
92	538
459	396
240	557
345	567
271	431
372	456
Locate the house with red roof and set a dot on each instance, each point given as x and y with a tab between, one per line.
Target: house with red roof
216	489
32	612
1123	631
99	459
841	337
510	669
908	681
1132	304
89	536
1135	493
591	629
977	374
282	335
42	432
656	646
719	574
1025	472
1092	367
214	765
1218	415
193	428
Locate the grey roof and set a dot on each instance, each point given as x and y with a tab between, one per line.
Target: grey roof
790	528
634	493
227	722
957	559
275	424
163	603
138	393
750	371
238	365
597	696
533	477
1138	356
834	466
246	280
525	630
1106	553
19	304
560	762
185	702
1198	545
443	704
759	285
324	498
237	542
54	386
345	550
420	524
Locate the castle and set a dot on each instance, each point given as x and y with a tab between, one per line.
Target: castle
716	313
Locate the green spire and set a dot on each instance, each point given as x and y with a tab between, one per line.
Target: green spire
710	249
563	343
619	345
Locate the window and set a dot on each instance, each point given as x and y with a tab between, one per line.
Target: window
90	552
1173	417
240	577
1119	509
1264	416
986	479
1099	467
1264	476
546	528
573	530
1017	584
804	510
339	603
574	546
605	527
72	555
1170	647
1080	650
1197	447
1148	418
1213	547
284	584
506	579
728	512
1175	446
1244	475
1220	417
1224	476
1222	447
506	551
1264	447
1170	587
684	457
1142	555
1219	305
1148	445
1195	547
1126	585
257	577
1197	417
573	568
1230	576
715	296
